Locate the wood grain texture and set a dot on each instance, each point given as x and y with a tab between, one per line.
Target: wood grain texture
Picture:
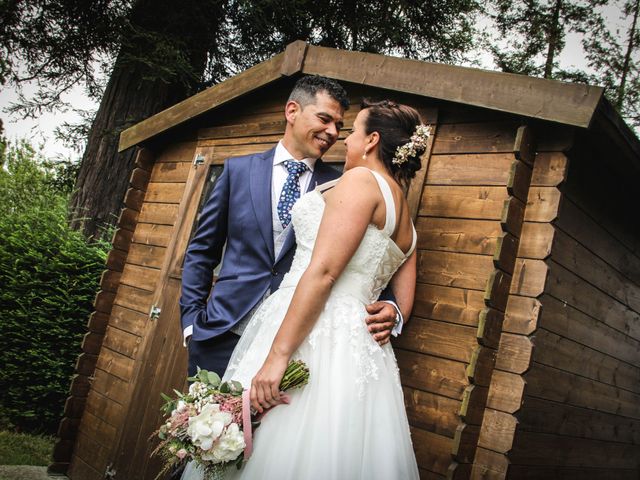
152	234
591	233
454	269
431	412
122	342
149	256
490	169
529	277
110	386
432	374
546	416
553	450
454	305
521	315
446	340
549	169
433	451
164	192
473	202
571	289
536	240
572	255
171	172
489	465
566	103
498	429
543	204
506	391
458	235
533	472
560	386
567	355
569	322
514	353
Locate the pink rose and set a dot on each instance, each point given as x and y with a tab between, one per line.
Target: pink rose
181	453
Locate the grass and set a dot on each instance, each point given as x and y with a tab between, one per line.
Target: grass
25	449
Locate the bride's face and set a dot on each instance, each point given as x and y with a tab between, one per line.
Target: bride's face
357	141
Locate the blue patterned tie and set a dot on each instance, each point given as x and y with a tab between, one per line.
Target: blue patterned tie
290	191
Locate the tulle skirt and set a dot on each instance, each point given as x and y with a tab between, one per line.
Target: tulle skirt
349	422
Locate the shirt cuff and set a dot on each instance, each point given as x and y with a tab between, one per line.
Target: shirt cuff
397	328
187	332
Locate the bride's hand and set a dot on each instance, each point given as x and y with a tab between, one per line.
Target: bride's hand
265	386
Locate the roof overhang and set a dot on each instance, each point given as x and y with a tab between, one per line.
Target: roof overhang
550	100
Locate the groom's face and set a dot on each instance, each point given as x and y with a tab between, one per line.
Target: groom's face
313	129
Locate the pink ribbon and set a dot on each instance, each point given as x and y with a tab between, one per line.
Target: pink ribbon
246	420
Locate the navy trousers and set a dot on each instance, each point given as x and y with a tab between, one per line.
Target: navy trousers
212	354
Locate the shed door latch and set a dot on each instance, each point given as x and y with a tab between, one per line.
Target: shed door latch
154	314
110	472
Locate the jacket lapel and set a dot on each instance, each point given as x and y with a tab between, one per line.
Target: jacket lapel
321	173
260	187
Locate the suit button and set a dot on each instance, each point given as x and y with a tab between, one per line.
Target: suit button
274	272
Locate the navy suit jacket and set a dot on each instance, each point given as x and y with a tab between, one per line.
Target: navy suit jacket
237	212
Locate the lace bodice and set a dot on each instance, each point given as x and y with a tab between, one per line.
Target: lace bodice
374	262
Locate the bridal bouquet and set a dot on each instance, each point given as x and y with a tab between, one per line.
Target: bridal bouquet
211	424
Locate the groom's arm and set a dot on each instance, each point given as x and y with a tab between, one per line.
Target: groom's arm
204	254
400	293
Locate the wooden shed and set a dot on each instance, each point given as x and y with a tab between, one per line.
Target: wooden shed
522	358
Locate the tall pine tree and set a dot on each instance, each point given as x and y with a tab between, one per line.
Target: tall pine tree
614	55
532	33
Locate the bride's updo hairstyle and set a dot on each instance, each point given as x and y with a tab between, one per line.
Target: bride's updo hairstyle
396	124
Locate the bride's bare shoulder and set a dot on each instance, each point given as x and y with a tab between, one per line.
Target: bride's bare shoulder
355	185
361	176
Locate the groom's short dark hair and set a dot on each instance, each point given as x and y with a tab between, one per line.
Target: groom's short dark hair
305	90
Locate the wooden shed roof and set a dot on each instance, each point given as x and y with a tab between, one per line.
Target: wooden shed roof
565	103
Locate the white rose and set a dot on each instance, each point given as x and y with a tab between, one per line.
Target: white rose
196	389
206	427
228	447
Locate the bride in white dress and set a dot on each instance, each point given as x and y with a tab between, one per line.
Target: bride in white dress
349	422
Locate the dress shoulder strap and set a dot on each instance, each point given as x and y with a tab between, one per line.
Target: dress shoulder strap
389	203
414	241
327	185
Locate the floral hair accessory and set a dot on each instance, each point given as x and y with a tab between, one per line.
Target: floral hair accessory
418	143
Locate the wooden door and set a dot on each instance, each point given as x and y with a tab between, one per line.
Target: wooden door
164	365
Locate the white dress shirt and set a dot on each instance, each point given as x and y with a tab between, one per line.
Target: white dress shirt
278	179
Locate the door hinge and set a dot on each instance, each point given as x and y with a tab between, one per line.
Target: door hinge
110	472
199	160
154	314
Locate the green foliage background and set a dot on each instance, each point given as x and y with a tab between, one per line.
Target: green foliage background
49	275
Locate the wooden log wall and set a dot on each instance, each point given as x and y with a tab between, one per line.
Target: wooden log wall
581	412
82	401
144	228
563	402
468	227
522	312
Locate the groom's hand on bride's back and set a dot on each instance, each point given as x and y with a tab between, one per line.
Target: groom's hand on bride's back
381	320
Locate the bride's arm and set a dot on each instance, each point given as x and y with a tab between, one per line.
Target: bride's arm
403	285
349	208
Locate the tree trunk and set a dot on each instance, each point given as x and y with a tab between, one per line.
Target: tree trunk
554	34
627	58
104	173
134	92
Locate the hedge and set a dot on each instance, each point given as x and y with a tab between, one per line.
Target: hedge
49	275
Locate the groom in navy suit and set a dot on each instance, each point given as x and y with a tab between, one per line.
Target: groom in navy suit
249	211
